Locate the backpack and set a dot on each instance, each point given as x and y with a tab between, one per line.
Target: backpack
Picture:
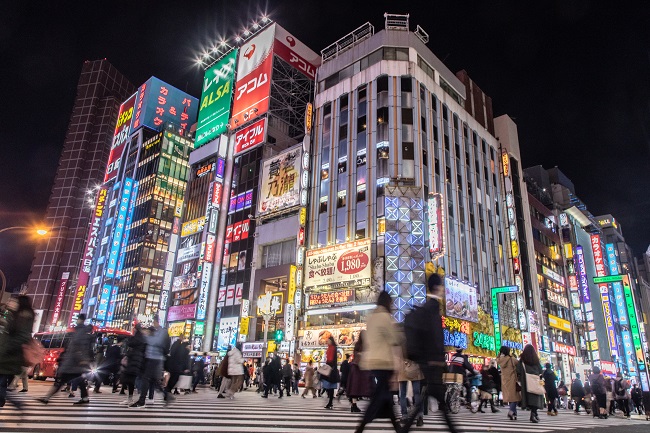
415	349
620	388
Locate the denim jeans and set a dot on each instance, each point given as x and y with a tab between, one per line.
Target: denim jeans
513	407
417	397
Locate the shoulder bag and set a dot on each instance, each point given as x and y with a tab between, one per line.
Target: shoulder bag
534	385
325	370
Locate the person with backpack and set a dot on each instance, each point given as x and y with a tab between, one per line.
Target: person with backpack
425	345
637	399
578	393
598	389
551	389
622	392
155	352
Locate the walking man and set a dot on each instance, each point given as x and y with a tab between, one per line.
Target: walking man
154	354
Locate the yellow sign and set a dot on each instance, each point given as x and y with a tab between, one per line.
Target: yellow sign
381	226
505	159
309	115
243	325
178	210
272	346
303	216
557	323
291	293
514	246
568	251
176	329
194	226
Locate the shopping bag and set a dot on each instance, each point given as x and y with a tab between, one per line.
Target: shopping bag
534	384
184	382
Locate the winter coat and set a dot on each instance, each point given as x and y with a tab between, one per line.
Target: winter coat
360	382
430	331
382	336
113	358
287	371
597	382
345	370
494	372
527	399
235	362
549	384
577	390
509	378
18	331
310	372
157	344
134	354
79	352
179	358
274	372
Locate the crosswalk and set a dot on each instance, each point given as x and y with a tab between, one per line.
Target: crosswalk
248	413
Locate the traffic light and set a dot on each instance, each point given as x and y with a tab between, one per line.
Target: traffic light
279	335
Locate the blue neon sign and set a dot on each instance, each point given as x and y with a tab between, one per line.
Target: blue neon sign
120	225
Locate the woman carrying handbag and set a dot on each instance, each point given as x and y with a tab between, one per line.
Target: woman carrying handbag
509	381
532	390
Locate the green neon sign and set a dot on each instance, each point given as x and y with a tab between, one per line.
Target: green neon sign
495	311
634	326
608	279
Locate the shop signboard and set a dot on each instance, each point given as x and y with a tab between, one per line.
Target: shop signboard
460	300
558	323
636	333
599	263
280	182
120	136
331	299
582	275
557	298
252	350
297	54
249	137
338	266
215	99
185	282
189	253
343	336
289	321
181	312
60	296
176	329
158	103
228	327
253	87
564	348
193	226
203	293
120	226
436	224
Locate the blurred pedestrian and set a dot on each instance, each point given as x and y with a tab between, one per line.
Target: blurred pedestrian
235	370
345	370
637	399
177	363
330	381
382	338
599	390
510	387
77	358
622	391
155	353
409	373
133	361
551	389
297	375
310	372
360	382
287	376
488	389
496	376
198	370
110	367
578	394
426	342
529	364
18	323
563	392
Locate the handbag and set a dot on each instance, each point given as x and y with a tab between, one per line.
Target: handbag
33	353
534	385
184	381
325	370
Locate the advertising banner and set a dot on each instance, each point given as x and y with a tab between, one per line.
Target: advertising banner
280	180
329	299
599	262
120	226
89	253
238	231
252	350
338	266
193	226
254	69
189	253
436	225
460	300
344	336
557	323
215	99
221	297
228	328
185	282
294	52
181	312
60	296
158	103
102	305
249	137
122	132
203	294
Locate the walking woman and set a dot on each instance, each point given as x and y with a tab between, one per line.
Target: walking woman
359	381
597	382
310	372
330	381
133	361
510	388
529	364
551	390
382	338
17	331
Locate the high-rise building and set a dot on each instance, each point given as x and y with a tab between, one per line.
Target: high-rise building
54	271
132	241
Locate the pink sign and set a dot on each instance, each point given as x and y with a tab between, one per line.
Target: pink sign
181	312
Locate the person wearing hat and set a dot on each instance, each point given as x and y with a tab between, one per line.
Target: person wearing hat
432	364
76	361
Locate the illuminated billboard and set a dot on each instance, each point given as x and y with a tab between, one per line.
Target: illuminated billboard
158	103
280	182
599	262
215	99
120	225
339	266
254	69
436	224
249	137
121	135
294	52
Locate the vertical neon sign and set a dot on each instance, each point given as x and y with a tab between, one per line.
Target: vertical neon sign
496	291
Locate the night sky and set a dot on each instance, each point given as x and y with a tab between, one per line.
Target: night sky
574	75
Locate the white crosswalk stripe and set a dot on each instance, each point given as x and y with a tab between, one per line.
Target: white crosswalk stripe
248	413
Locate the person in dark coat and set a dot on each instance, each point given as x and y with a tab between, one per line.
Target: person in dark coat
133	361
178	362
287	374
551	389
529	363
637	399
76	361
345	370
360	382
598	389
273	376
155	352
433	362
110	366
578	394
17	331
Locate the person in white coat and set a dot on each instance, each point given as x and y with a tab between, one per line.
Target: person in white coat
235	371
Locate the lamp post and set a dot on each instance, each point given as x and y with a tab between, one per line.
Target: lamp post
3	279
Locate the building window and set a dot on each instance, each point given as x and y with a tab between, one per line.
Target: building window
281	253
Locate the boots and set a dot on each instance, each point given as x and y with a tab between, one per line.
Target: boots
354	408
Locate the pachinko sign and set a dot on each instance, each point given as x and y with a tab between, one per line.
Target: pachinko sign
280	180
338	266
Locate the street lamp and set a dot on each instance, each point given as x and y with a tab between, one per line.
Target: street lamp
41	232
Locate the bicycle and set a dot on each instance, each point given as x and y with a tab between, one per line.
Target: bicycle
454	397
